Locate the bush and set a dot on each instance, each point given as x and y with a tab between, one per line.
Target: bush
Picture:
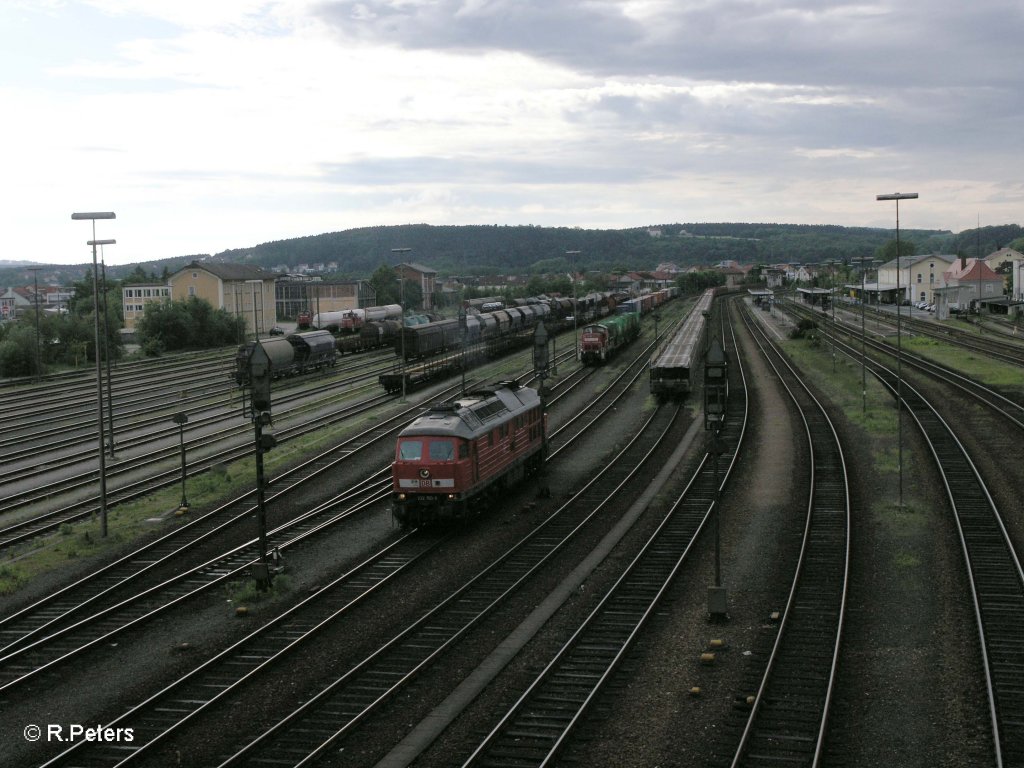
153	347
189	324
805	329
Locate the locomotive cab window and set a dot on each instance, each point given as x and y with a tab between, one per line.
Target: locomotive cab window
410	450
441	450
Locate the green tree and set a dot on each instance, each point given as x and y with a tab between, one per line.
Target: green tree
887	252
17	350
139	275
189	324
80	317
697	282
385	285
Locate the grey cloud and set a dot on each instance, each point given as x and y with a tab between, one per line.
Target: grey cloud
913	42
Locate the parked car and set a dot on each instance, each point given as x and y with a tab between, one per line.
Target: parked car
277	331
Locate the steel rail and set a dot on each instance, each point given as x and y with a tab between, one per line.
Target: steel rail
67	643
339	708
789	715
992	565
170	548
538	727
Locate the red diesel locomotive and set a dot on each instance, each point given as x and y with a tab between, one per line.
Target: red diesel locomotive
455	457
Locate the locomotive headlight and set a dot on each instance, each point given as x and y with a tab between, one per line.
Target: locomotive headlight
401	497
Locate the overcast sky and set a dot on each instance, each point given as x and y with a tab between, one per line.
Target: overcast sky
215	124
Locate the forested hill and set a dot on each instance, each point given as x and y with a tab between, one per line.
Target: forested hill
469	250
498	249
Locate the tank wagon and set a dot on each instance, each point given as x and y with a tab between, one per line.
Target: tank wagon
477	304
294	354
354	320
313	349
600	341
329	321
458	456
672	367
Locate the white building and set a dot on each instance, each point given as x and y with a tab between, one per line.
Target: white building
918	276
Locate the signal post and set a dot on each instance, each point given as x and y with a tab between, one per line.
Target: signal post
260	376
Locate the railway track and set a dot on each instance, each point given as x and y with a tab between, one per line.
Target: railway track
166	474
993	566
337	711
1002	348
162	714
227	688
789	715
98	591
341	708
72	438
1006	407
550	712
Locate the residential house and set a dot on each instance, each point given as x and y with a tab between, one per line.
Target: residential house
1003	256
803	273
662	279
13	301
423	276
734	276
57	300
774	277
1013	263
969	281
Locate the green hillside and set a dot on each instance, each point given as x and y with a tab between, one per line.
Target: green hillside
475	250
469	250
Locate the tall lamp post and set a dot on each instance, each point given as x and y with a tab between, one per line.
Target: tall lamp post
575	335
832	305
35	303
92	216
401	289
106	354
863	336
255	322
897	196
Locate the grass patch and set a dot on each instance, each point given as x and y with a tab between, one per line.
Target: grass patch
246	592
12	578
906	560
870	406
977	366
